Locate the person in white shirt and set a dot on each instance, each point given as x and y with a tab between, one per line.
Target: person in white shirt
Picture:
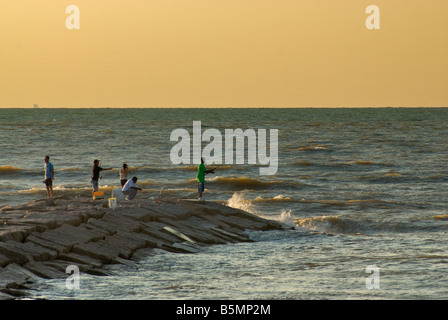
130	189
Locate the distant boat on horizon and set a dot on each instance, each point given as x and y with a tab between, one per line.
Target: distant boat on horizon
36	106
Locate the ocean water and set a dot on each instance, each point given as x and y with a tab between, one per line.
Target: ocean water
362	187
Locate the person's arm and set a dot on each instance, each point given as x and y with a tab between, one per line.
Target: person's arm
134	186
52	173
107	169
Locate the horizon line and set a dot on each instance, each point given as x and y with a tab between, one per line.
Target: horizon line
223	107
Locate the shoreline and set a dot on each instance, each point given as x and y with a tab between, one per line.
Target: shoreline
41	238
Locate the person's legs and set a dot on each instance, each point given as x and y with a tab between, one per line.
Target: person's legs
130	194
94	186
51	189
49	185
200	190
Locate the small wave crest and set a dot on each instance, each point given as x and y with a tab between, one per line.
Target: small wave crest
195	168
348	203
361	162
303	163
243	182
37	190
312	148
70	170
9	169
279	198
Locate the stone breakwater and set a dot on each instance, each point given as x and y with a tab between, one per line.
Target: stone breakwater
43	237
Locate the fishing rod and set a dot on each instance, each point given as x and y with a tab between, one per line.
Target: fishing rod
219	165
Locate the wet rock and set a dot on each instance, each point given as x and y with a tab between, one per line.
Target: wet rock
40	239
74	258
21	253
44	271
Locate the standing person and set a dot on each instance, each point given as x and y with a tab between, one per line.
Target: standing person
124	174
201	177
130	189
49	176
96	169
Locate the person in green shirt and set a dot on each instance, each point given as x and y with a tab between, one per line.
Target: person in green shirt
201	177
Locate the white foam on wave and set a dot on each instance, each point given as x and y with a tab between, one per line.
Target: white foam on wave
285	218
240	201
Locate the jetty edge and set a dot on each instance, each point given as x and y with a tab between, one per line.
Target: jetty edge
41	238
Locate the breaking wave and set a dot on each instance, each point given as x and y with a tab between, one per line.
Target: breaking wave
240	201
330	224
344	225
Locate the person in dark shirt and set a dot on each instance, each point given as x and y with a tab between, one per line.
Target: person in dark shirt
96	169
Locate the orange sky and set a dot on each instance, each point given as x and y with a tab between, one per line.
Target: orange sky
223	53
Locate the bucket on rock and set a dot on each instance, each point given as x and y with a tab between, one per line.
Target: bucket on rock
112	203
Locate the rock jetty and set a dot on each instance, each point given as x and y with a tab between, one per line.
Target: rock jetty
43	237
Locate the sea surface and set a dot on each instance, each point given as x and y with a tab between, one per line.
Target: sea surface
364	188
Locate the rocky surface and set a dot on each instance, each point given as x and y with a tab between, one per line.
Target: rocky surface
42	238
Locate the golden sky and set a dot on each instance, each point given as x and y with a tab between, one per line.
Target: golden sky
223	53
